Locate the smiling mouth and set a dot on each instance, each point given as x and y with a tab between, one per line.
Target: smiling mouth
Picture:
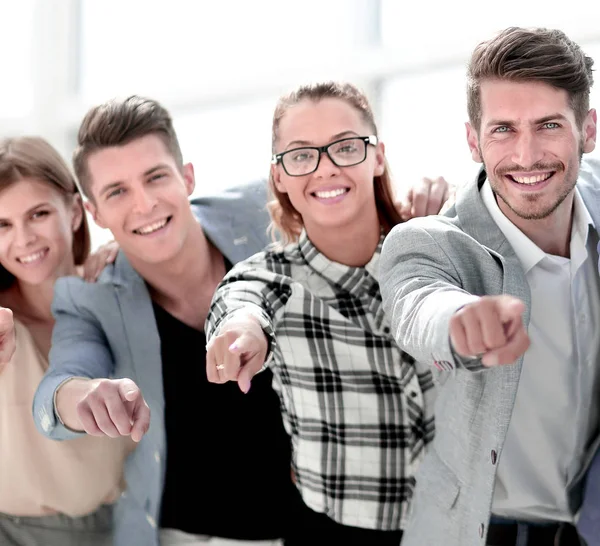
530	180
34	257
331	193
153	227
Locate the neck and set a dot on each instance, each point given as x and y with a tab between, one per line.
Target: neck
36	299
351	245
174	280
553	233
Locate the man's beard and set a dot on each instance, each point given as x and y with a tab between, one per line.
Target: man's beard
571	174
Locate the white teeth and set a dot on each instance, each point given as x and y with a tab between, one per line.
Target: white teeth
32	257
531	179
150	228
330	194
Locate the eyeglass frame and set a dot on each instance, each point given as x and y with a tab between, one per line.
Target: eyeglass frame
371	139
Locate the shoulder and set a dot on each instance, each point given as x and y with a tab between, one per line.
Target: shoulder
272	262
427	231
240	198
73	294
589	173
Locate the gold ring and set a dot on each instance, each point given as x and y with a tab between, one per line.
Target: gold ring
220	367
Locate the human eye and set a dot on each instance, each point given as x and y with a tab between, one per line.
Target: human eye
114	193
4	224
40	214
301	155
501	129
156	176
551	125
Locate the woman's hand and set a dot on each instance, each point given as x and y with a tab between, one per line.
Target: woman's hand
97	261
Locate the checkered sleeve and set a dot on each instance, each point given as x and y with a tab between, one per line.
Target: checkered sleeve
249	288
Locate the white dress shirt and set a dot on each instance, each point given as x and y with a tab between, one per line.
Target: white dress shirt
556	410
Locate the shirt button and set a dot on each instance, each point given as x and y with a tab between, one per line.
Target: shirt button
157	456
151	521
481	530
386	330
494	456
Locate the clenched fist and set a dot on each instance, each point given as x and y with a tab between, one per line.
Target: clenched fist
491	329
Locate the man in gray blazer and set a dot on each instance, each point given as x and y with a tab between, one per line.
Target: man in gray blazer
503	297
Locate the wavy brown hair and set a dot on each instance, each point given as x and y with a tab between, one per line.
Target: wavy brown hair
286	223
33	157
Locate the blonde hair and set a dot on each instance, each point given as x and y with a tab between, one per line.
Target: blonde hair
33	157
286	222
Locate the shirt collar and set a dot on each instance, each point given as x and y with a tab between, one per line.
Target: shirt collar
527	251
349	278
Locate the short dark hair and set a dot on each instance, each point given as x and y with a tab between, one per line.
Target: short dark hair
118	122
531	54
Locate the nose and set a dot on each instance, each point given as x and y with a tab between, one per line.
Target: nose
143	200
24	235
326	168
527	151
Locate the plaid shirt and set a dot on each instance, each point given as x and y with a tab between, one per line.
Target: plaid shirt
357	408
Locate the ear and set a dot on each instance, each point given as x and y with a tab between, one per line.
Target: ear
275	173
473	142
93	210
379	159
77	212
189	178
589	131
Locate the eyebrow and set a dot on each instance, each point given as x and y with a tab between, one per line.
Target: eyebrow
538	121
333	138
148	172
35	207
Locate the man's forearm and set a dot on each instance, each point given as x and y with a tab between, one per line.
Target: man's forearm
68	396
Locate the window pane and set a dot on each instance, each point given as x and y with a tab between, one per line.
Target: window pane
456	27
227	145
183	45
16	91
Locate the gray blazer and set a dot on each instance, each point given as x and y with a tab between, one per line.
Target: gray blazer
429	268
107	329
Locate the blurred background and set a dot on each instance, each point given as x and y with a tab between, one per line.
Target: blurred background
220	65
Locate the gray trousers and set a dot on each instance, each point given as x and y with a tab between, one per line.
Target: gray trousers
57	530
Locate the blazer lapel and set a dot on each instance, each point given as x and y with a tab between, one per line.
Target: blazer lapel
475	220
140	330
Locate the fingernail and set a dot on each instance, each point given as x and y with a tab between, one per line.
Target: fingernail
233	346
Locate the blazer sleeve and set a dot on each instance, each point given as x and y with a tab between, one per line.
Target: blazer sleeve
79	349
421	290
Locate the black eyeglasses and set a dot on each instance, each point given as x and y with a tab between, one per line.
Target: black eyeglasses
345	152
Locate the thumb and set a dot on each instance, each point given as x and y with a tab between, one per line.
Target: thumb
6	320
128	390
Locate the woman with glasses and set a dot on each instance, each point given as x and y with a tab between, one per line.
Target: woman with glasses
357	408
51	493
